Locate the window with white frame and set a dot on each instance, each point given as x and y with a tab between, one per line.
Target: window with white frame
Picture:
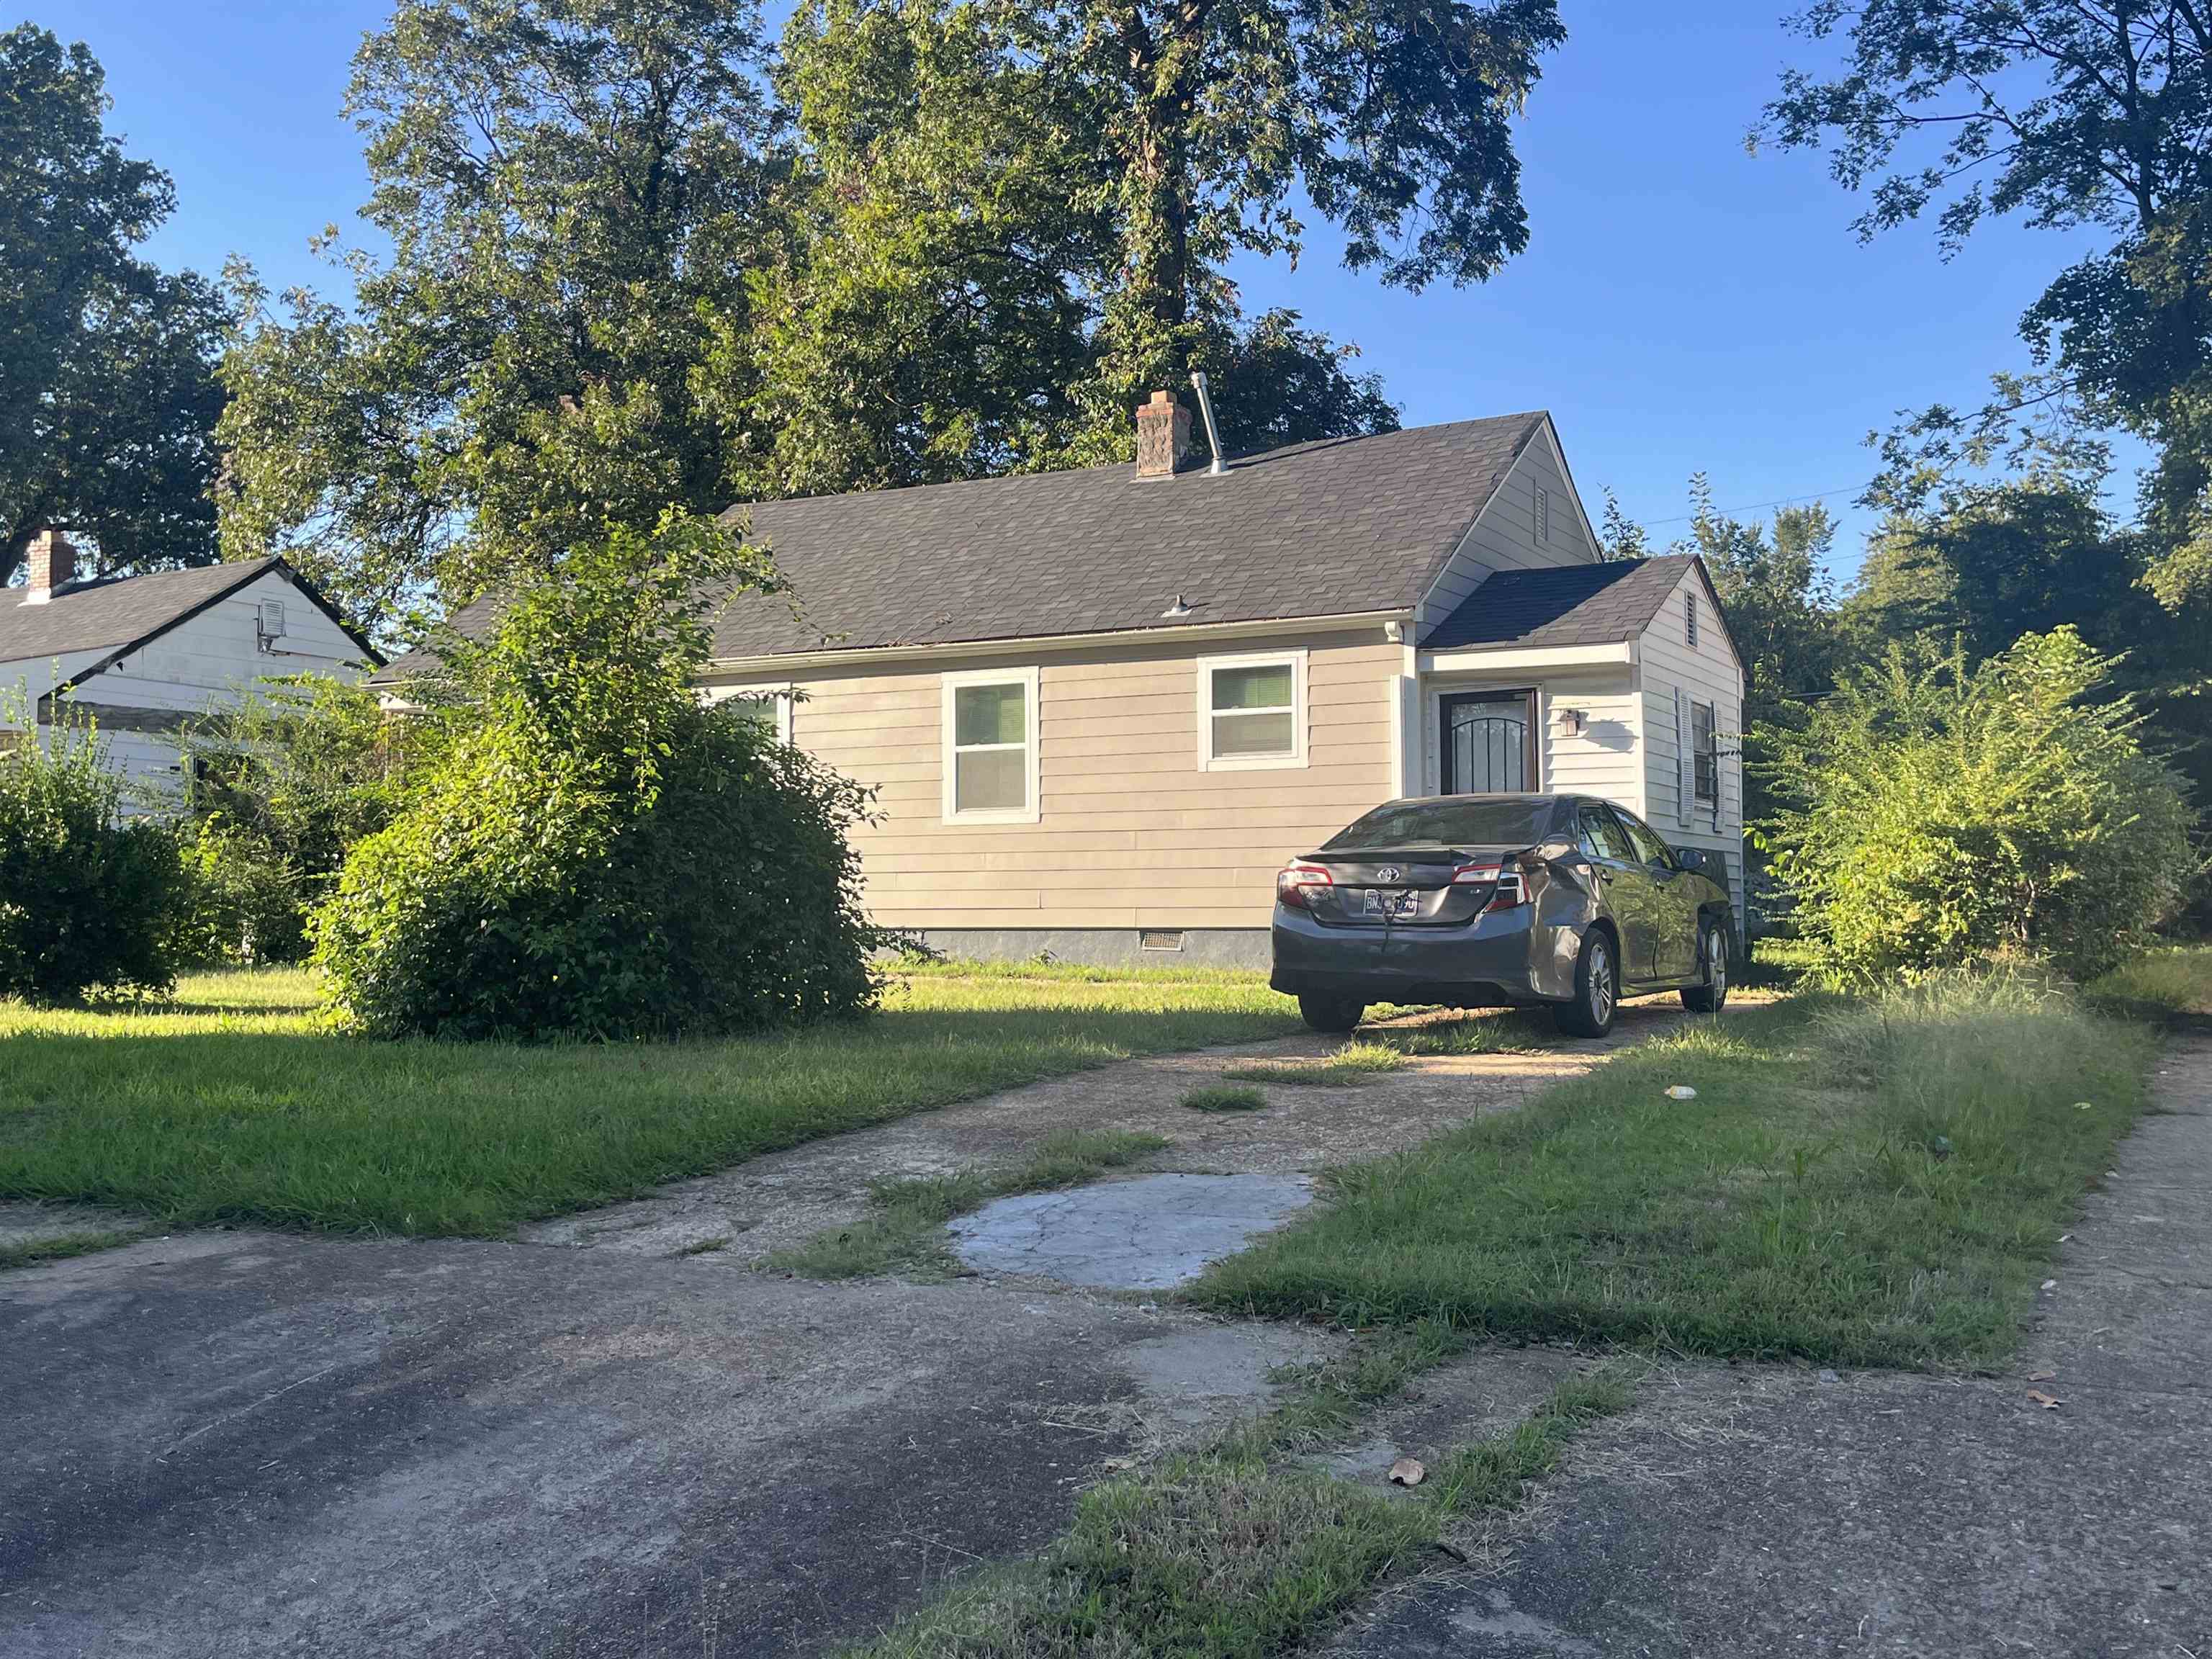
1705	750
991	746
1690	619
769	707
1251	711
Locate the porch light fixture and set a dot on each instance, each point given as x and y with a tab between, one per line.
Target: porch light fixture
1573	721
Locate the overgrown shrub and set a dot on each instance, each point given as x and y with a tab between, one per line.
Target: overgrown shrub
86	902
283	786
593	851
1937	815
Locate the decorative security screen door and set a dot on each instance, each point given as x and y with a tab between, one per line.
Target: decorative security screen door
1487	747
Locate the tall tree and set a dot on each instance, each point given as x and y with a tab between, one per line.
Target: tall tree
572	191
943	308
2078	116
1779	598
1393	116
106	364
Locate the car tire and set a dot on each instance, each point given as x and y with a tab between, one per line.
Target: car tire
1710	996
1597	988
1331	1013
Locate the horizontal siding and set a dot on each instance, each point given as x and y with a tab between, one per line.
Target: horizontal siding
1707	674
1602	761
1505	537
1132	832
213	657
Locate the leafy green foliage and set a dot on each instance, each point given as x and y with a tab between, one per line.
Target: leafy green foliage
2077	119
107	363
87	901
593	851
1935	814
570	188
283	785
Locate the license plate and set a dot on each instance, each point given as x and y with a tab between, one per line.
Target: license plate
1381	902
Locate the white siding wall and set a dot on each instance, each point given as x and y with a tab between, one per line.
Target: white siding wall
213	657
1708	673
1505	537
1602	760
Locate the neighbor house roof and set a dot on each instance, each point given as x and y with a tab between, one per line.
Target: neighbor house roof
116	614
1565	604
1334	527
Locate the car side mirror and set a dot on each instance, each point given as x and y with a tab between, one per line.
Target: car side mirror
1694	858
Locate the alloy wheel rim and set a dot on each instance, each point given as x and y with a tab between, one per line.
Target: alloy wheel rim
1600	982
1717	960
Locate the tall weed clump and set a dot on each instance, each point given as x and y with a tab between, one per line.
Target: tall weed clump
592	849
1935	815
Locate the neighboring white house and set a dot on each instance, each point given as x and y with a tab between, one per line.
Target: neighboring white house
143	654
1100	708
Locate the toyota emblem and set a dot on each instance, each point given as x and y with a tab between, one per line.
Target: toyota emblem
1387	873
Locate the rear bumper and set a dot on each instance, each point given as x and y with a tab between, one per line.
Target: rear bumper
1504	957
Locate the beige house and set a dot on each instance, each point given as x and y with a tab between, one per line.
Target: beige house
1100	708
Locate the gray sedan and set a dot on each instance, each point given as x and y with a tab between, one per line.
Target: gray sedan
1492	901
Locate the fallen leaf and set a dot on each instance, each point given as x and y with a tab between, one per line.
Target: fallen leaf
1408	1472
2043	1399
2041	1377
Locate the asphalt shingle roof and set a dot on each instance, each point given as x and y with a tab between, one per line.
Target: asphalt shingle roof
1568	605
97	616
1334	528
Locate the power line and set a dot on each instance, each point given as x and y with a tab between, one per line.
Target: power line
1758	507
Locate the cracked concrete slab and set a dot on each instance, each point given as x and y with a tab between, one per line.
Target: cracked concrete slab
1148	1234
1752	1511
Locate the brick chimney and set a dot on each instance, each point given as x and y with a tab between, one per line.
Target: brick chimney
50	563
1163	436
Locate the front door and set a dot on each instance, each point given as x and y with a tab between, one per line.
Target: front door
1489	742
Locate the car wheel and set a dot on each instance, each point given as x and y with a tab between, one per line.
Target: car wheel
1331	1013
1597	989
1711	996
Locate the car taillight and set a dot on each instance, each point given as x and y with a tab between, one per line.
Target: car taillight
1295	879
1510	888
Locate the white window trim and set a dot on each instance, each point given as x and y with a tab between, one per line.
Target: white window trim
1713	725
1210	762
781	695
1031	811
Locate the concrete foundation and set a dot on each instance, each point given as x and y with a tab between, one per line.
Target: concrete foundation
1107	947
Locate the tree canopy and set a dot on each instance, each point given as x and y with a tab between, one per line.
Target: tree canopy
107	363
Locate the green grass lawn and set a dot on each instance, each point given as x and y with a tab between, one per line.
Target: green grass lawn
2172	987
1864	1182
232	1104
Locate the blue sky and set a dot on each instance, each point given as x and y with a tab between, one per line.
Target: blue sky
1682	305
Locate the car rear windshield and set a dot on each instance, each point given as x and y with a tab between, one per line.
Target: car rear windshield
1449	823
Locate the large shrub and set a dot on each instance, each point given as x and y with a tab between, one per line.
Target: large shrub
1935	814
593	851
87	901
283	786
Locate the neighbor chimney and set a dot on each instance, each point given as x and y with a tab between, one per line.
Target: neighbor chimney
1163	436
52	563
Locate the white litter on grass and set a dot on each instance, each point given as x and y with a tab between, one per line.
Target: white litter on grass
1681	1091
2084	1106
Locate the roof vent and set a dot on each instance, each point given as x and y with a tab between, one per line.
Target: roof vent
1177	611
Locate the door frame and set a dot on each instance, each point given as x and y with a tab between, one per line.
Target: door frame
1532	750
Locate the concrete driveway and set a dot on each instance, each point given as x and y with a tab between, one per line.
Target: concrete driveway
587	1442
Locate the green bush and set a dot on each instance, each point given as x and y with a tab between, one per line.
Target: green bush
1936	816
243	901
87	901
283	786
593	851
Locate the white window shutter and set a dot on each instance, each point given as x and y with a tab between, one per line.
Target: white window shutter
1685	784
